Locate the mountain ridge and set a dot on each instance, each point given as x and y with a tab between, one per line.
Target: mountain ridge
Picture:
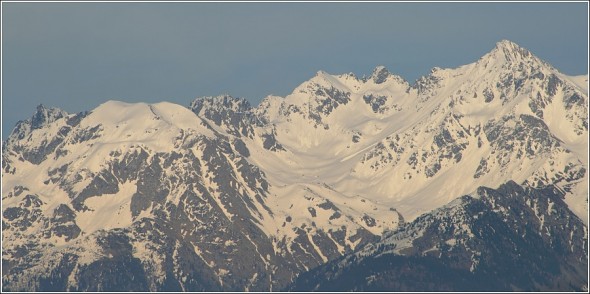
449	249
282	187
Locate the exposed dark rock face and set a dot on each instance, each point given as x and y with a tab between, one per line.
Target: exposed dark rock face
234	115
509	239
203	231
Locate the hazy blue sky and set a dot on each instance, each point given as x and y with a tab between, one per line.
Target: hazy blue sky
77	55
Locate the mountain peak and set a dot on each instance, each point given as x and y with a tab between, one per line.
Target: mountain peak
321	73
44	115
506	44
222	101
380	74
40	107
507	51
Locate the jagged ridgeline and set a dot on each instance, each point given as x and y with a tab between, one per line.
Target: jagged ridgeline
509	239
473	178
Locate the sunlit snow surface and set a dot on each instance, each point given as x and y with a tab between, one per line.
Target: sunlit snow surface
455	100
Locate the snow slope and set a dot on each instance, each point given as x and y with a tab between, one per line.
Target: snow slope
383	139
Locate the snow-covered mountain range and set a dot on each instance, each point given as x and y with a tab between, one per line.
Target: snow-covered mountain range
221	195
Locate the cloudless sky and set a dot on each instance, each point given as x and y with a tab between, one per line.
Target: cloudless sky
76	56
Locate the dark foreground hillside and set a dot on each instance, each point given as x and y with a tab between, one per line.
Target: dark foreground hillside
509	239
